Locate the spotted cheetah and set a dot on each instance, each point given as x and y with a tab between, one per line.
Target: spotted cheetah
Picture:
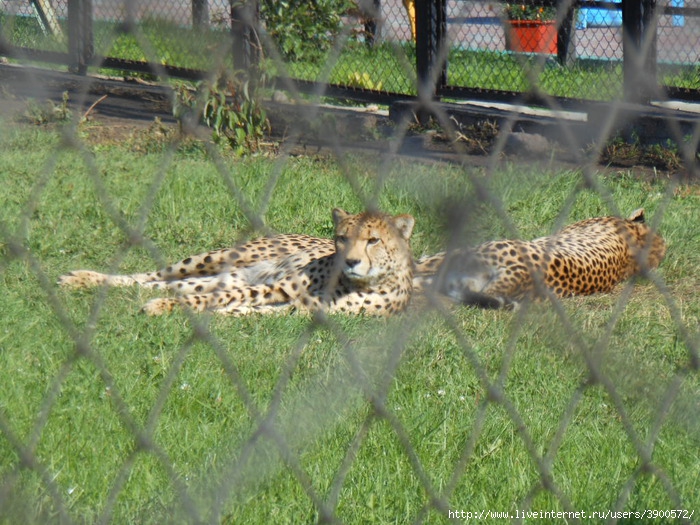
584	258
367	268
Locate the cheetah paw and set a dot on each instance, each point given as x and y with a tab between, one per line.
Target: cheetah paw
159	306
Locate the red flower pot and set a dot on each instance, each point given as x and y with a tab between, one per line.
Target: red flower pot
532	36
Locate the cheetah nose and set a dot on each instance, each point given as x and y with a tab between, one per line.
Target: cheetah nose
351	263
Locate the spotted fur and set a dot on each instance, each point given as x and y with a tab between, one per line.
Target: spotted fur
591	256
367	268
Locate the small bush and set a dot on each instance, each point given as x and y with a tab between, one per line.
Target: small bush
301	29
231	108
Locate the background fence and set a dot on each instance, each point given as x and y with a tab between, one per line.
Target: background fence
584	409
463	43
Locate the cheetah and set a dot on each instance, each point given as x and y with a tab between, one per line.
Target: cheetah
587	257
366	269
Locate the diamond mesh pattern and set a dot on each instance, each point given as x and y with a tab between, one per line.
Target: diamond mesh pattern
326	421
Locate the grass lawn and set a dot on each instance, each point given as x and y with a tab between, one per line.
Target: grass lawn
108	414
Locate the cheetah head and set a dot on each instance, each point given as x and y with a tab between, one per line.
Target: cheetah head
373	246
649	247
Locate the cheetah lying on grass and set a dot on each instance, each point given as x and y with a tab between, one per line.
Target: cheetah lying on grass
584	258
367	268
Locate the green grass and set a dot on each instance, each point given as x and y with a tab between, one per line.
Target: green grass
392	68
387	67
194	387
153	40
512	72
165	43
23	31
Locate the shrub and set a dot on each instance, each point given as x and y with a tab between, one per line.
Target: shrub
303	29
231	108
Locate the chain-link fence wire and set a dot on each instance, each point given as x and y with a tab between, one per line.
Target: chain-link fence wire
479	33
573	50
356	387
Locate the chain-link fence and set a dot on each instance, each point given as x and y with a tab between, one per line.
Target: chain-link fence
585	46
569	50
572	410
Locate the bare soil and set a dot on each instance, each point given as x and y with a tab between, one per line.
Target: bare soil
121	110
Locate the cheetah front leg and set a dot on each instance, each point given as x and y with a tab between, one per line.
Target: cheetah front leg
196	302
166	305
428	265
160	306
228	301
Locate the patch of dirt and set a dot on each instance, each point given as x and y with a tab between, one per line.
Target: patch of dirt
112	131
120	103
130	111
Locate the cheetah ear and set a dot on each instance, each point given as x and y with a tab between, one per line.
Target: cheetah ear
339	216
404	223
637	215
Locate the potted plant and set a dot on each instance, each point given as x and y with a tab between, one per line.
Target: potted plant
531	28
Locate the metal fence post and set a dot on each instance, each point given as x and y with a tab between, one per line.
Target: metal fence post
639	50
649	43
566	35
431	67
370	17
200	14
244	19
80	37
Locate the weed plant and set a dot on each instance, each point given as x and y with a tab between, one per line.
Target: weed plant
48	112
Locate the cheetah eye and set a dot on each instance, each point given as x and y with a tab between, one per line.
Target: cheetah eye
341	239
372	241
